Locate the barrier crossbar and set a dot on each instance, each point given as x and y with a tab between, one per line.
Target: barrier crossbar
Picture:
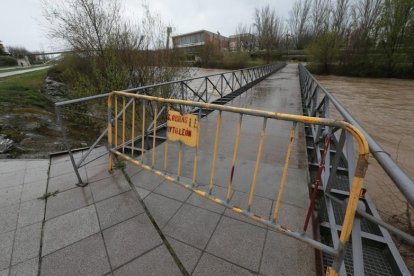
148	115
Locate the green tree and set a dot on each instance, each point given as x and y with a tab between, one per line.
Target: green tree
324	51
2	52
393	30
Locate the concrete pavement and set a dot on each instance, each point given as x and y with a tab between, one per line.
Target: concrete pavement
18	72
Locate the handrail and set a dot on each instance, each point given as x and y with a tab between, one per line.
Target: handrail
403	182
136	89
262	72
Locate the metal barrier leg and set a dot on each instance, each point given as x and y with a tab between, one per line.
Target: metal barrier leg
233	163
66	142
110	156
284	174
143	131
133	130
196	150
154	136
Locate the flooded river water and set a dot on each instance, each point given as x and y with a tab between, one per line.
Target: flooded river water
385	108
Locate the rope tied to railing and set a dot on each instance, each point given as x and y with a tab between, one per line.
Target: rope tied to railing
317	182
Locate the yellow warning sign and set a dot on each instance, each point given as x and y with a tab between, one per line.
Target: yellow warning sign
182	128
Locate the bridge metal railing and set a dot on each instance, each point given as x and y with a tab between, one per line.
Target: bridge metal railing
218	88
182	118
334	190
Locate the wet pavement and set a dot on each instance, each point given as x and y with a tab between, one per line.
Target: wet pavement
21	214
18	72
108	227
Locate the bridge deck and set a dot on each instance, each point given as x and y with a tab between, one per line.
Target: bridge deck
103	228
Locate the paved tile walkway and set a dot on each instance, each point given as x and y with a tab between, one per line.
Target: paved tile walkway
108	227
21	214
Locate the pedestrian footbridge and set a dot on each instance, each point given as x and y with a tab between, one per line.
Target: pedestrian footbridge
236	173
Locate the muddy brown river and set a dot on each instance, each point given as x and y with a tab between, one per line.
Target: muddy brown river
385	108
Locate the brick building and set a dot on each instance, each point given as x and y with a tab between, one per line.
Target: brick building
193	42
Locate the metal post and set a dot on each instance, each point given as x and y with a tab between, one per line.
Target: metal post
216	142
233	163
116	121
256	168
180	157
110	134
284	174
133	130
196	149
143	131
154	137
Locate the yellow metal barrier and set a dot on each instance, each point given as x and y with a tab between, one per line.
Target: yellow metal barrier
185	130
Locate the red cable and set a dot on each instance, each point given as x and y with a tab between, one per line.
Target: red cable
318	181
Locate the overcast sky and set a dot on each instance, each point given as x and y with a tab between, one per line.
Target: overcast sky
21	20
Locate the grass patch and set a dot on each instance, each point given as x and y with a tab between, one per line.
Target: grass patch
24	90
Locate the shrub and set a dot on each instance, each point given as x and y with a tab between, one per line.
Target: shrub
7	61
236	60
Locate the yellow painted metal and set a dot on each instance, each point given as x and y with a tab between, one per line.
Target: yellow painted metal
284	174
133	129
110	165
216	142
182	128
154	137
166	148
165	155
143	131
257	166
233	162
194	179
123	124
180	159
331	272
116	120
356	183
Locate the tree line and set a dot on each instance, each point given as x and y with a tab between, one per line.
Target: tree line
109	51
351	37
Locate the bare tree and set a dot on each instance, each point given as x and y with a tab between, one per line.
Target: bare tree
110	52
18	52
244	39
368	12
341	17
269	28
320	17
298	22
85	25
241	31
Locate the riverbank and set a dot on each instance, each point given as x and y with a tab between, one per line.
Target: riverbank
27	117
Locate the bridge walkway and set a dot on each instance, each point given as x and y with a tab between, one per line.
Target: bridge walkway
102	228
